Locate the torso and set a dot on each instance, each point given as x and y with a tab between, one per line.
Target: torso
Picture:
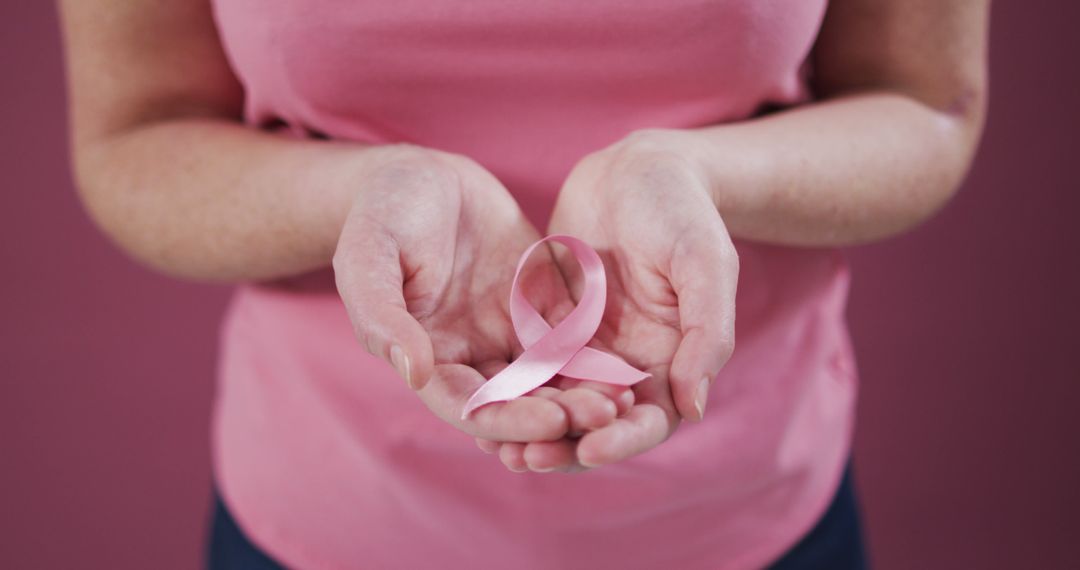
328	461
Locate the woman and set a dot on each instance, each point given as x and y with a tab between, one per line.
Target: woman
416	148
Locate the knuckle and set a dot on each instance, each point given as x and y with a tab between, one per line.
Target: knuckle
341	266
655	166
486	421
598	158
337	263
405	152
362	330
726	346
729	256
651	138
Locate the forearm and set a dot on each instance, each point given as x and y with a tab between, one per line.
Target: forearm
844	171
210	199
164	164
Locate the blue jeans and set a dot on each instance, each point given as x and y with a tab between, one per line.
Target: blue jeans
835	543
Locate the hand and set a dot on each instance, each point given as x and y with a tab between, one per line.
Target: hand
645	205
424	266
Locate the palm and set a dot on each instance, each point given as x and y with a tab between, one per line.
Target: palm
671	274
641	323
458	292
425	263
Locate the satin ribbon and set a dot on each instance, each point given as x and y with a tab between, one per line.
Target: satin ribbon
560	350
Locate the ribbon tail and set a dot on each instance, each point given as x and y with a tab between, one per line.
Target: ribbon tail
531	370
592	364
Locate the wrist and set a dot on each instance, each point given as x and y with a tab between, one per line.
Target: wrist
672	157
344	175
338	175
451	180
731	171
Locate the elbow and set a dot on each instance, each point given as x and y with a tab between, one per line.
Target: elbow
941	163
102	202
955	132
124	211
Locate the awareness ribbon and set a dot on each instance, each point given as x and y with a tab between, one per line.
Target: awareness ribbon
560	350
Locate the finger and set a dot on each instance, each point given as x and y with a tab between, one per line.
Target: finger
527	418
704	274
512	456
548	392
543	456
586	409
546	456
651	421
623	396
624	402
643	428
521	420
487	446
586	405
367	269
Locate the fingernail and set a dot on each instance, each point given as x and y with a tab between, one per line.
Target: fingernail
401	363
542	470
587	464
702	396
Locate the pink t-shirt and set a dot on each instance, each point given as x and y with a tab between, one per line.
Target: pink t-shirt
322	453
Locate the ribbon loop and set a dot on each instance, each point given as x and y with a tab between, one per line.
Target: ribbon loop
560	350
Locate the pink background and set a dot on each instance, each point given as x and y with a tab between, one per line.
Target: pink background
967	452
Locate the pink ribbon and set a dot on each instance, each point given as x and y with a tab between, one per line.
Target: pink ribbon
560	350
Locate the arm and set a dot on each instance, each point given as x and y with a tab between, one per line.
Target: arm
903	83
903	87
165	167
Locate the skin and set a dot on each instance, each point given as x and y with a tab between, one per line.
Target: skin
424	263
165	167
902	89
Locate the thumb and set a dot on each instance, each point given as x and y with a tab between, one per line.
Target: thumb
705	285
367	270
